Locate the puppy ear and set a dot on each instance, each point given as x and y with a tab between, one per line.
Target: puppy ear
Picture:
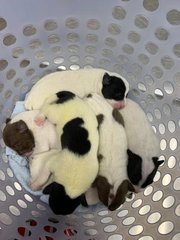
156	162
8	120
21	126
106	79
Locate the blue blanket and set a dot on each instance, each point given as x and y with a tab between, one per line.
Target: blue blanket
20	167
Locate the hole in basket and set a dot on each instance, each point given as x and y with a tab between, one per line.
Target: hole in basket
114	29
173	17
115	237
53	220
152	48
14	210
93	24
9	40
144	210
46	238
3	23
171	162
31	222
3	64
70	232
159	94
146	238
177	210
173	144
24	63
72	23
2	196
154	217
176	50
119	13
29	30
50	229
135	230
141	22
157	196
50	25
177	184
44	64
91	232
151	5
168	202
167	62
176	237
24	232
166	227
162	34
176	104
10	74
16	52
5	219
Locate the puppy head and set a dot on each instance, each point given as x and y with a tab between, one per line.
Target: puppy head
141	172
18	137
115	89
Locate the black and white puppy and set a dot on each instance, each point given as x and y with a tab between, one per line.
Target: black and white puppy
112	182
75	167
110	85
143	146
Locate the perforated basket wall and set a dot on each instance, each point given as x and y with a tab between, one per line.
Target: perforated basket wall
139	39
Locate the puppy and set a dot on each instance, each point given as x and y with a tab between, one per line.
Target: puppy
143	146
111	86
24	136
112	182
76	166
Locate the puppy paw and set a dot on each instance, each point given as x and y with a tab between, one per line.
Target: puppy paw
34	187
40	120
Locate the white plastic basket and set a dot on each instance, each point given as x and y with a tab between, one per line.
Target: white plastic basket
138	39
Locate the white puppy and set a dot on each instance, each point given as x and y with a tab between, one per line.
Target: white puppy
81	82
112	181
143	146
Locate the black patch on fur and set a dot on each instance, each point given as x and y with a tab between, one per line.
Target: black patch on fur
59	201
100	157
8	120
64	96
113	87
100	119
103	188
75	137
118	117
150	177
89	95
134	167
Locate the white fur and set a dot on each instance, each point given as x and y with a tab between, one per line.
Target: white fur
112	144
75	172
140	135
45	136
81	82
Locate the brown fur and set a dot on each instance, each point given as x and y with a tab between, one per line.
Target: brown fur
121	195
18	137
103	188
118	117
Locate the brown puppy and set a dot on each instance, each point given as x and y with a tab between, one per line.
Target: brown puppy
19	137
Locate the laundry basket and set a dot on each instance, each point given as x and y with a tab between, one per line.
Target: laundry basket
140	39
